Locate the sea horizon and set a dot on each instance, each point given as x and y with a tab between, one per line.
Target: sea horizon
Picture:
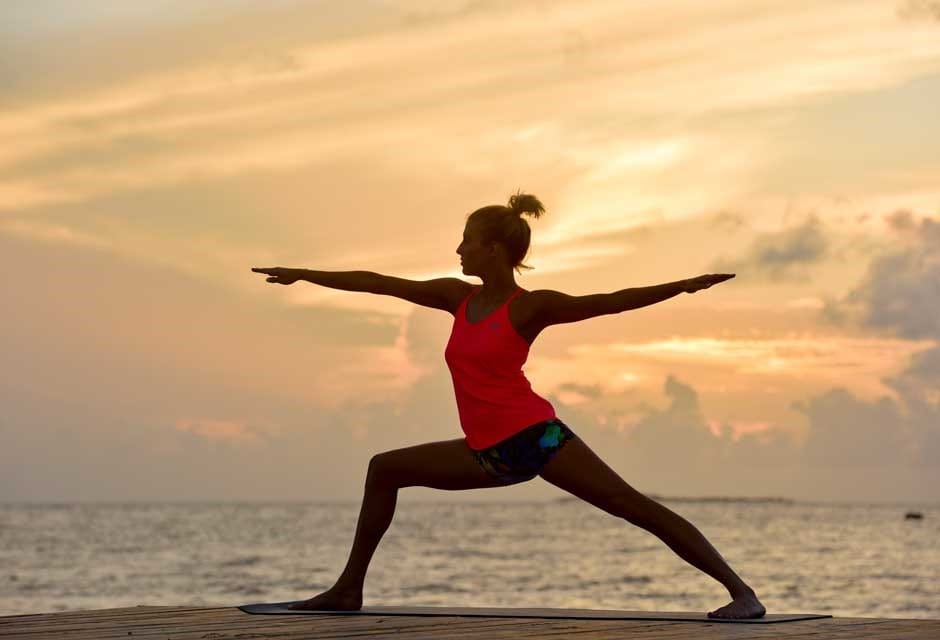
853	560
404	498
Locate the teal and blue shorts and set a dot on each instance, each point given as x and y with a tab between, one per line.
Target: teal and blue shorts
520	457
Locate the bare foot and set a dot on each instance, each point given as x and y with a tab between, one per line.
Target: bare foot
743	606
332	600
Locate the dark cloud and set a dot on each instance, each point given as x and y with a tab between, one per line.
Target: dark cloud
678	434
847	432
833	312
925	366
920	10
901	290
783	255
587	390
728	221
901	220
672	451
885	447
900	293
854	447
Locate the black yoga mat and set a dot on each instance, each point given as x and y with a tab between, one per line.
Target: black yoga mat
501	612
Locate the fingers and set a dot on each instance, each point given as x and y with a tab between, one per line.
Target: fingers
269	271
719	277
707	280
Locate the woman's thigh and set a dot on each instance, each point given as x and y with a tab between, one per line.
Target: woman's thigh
582	473
447	464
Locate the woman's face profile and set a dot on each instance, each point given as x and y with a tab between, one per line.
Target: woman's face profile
469	248
474	254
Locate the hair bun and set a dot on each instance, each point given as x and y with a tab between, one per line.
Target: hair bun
520	203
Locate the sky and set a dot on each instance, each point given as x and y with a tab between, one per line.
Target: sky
152	153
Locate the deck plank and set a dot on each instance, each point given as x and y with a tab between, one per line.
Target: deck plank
220	623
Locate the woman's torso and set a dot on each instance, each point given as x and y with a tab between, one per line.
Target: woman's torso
487	349
521	310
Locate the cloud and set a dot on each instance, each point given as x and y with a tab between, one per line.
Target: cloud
820	358
669	450
285	105
147	167
226	431
728	221
571	393
926	366
51	233
790	254
869	445
155	385
920	10
900	293
901	290
291	447
849	432
901	221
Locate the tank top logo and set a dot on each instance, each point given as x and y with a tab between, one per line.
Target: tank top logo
494	325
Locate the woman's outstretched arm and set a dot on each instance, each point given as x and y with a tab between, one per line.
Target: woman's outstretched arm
554	307
347	280
438	293
637	297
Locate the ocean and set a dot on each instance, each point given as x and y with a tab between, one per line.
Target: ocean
800	557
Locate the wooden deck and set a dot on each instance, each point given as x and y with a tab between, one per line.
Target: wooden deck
219	623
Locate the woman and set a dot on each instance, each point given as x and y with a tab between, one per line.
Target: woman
511	433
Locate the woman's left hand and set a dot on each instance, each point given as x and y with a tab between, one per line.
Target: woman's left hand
703	282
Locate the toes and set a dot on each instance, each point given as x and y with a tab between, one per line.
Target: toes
733	614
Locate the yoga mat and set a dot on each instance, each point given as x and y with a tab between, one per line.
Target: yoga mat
501	612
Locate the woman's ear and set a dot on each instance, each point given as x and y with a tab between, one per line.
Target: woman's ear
498	249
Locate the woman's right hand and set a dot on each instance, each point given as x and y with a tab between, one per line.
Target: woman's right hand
703	282
279	275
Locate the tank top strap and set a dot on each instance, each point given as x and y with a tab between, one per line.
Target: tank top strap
476	288
473	290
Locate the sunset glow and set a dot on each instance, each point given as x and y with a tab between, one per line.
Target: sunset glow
144	174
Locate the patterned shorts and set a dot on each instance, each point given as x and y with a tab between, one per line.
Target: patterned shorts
519	458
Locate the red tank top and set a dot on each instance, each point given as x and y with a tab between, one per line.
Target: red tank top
494	398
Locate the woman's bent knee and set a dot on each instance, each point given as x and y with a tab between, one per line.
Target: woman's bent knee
380	472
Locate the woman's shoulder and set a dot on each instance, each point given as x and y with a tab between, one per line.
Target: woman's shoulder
459	291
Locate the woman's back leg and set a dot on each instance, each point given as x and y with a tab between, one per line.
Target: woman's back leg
581	472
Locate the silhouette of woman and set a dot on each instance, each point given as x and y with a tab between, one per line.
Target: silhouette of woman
511	433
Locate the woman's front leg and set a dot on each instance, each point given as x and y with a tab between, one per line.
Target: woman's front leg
447	465
375	516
